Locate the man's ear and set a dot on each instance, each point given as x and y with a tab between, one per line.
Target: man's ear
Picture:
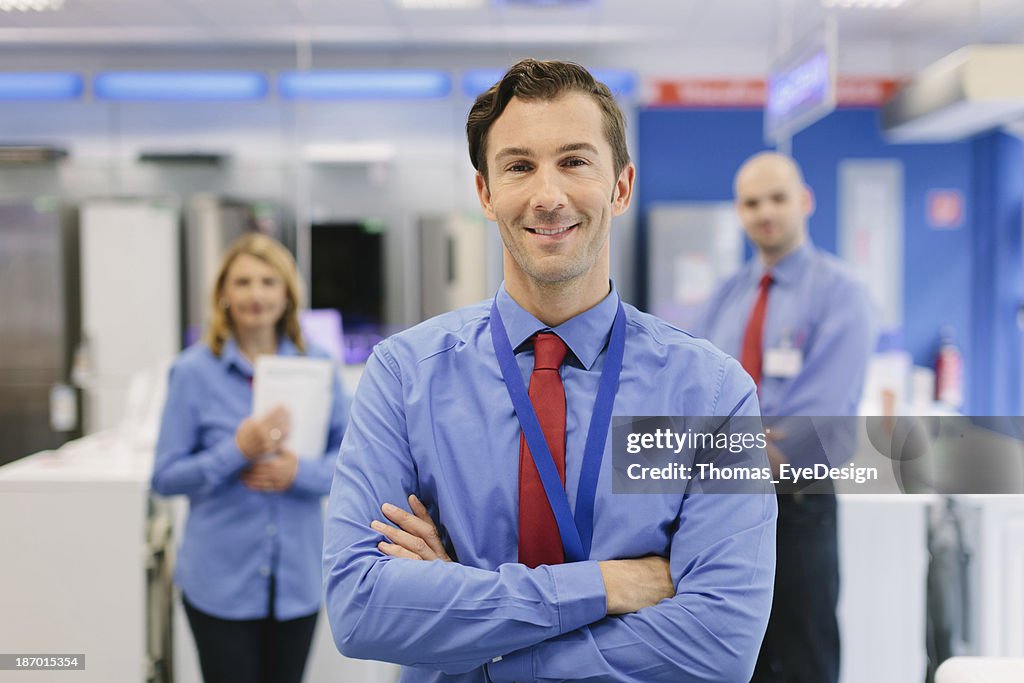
484	195
622	194
809	203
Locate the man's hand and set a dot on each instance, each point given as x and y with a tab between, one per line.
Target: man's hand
416	538
631	585
258	436
275	473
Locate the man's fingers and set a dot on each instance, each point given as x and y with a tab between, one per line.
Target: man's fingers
414	525
421	527
393	550
419	509
412	543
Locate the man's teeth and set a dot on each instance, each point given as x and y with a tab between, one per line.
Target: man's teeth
553	231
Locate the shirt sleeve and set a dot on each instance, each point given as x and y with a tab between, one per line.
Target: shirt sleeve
313	477
722	559
438	615
178	468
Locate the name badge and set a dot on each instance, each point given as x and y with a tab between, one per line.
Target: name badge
783	362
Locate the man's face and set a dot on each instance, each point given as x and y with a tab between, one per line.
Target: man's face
773	205
552	188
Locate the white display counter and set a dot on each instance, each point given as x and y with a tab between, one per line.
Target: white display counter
73	576
75	525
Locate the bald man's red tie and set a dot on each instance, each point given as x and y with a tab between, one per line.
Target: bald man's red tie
751	354
539	540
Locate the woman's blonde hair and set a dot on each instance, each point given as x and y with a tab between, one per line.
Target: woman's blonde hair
273	253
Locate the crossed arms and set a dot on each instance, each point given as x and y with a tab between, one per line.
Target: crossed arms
402	602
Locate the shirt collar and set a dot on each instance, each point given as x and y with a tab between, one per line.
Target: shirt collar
231	356
787	270
585	334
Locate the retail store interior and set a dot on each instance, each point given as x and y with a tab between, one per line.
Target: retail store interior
139	138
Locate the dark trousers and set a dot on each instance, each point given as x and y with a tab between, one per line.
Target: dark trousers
252	650
802	641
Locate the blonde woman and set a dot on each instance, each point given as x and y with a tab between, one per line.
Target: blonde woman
249	564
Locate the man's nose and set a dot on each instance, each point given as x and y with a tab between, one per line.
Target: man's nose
548	193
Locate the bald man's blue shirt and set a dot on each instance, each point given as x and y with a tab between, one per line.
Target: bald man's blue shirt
818	307
815	305
432	417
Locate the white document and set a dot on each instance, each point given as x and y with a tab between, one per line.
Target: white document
303	386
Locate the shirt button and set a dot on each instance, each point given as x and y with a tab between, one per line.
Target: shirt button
271	529
264	571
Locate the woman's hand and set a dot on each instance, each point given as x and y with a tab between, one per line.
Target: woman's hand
275	473
258	436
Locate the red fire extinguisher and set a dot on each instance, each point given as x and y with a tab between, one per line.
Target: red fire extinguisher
949	371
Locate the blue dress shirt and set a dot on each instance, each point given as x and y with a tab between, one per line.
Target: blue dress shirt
432	417
817	306
236	538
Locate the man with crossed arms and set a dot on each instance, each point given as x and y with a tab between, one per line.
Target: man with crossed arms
485	580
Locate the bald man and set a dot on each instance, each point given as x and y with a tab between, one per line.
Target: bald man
803	327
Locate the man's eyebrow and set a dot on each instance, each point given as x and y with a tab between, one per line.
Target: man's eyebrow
578	147
513	152
525	152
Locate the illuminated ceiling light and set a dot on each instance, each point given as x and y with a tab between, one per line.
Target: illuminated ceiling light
440	4
543	3
363	85
30	5
862	4
42	85
179	85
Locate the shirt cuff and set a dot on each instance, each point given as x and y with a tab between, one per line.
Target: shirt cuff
512	668
580	592
581	600
225	460
309	478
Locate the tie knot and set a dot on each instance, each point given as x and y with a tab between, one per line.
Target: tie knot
548	351
766	280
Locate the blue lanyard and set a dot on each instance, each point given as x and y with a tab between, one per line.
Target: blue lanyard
577	531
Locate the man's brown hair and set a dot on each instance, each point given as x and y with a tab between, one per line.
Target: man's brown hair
531	79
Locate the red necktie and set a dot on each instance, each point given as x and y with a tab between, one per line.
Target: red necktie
539	540
750	356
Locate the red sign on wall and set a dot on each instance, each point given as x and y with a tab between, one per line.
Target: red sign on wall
945	209
749	93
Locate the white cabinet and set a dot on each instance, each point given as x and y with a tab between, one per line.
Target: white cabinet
73	578
131	300
883	564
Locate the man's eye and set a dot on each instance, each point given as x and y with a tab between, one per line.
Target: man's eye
519	167
575	161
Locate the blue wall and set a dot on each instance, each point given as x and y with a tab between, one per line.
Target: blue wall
998	278
691	155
